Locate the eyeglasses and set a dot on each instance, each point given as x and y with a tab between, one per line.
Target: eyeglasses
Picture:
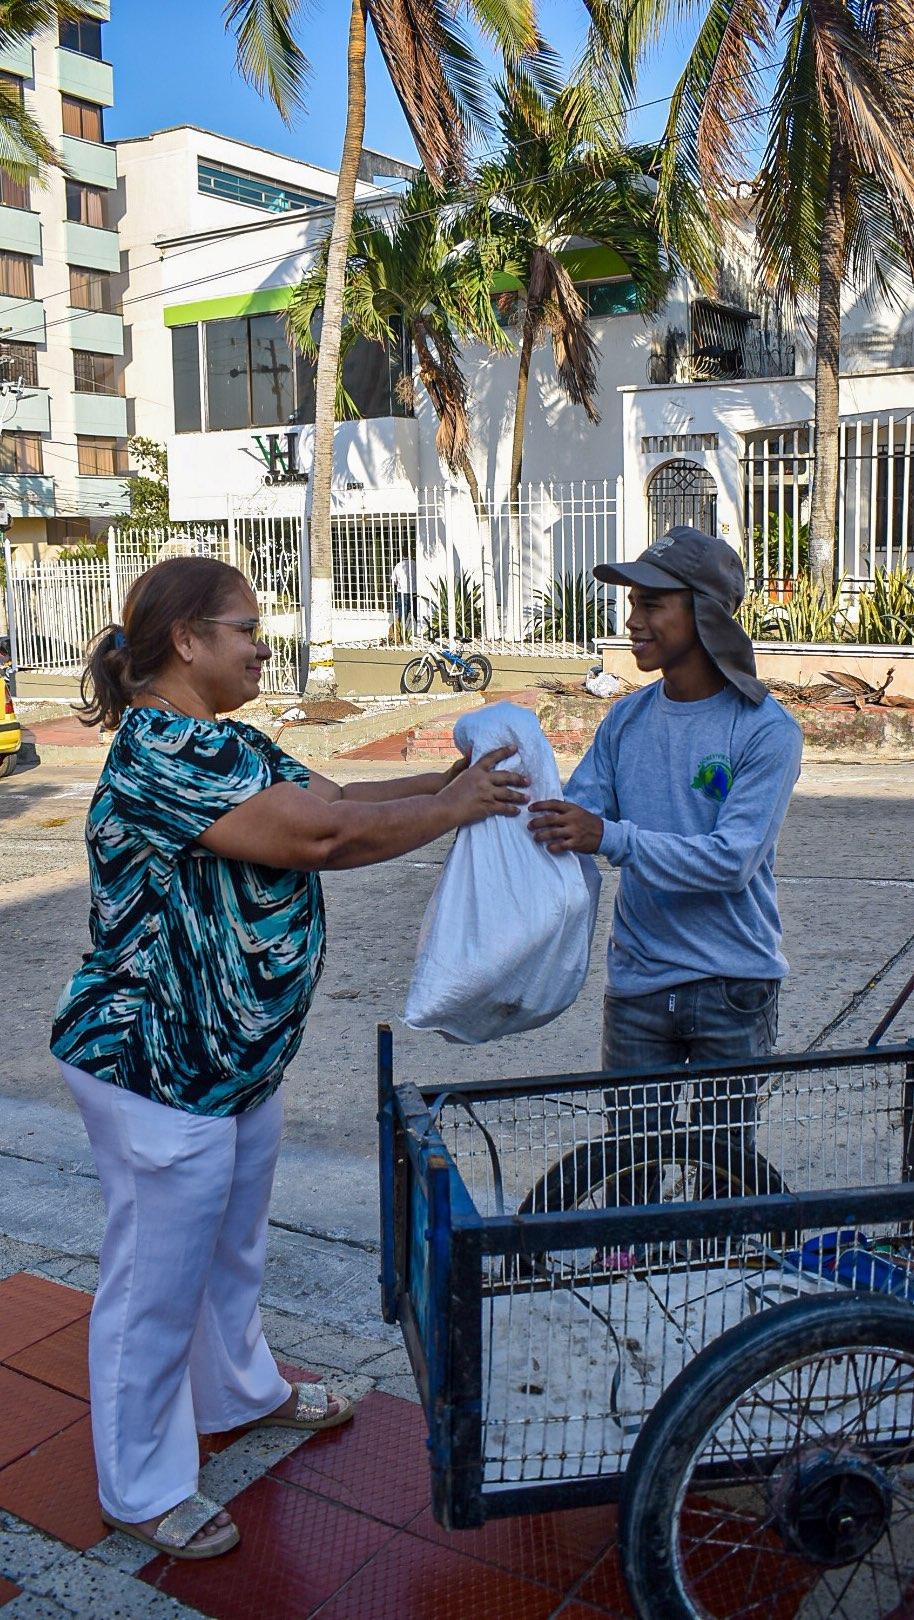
251	627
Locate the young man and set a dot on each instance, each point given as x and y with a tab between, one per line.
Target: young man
685	789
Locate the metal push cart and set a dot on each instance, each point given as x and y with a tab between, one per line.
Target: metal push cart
692	1293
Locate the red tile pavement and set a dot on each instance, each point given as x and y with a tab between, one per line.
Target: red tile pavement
67	731
30	1413
554	1548
210	1444
54	1487
7	1591
377	1464
410	1577
61	1360
297	1549
32	1307
393	747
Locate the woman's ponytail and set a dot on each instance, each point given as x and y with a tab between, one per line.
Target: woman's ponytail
105	686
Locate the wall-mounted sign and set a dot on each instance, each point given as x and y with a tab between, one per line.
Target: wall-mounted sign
279	453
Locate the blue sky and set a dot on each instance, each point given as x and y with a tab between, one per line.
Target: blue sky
180	69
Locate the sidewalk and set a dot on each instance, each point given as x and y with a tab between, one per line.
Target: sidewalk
338	1526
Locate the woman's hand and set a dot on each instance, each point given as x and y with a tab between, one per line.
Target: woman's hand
564	827
481	790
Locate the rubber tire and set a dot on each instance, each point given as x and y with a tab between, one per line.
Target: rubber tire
422	685
683	1416
584	1167
475	661
8	763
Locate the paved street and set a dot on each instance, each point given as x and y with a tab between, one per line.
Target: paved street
847	885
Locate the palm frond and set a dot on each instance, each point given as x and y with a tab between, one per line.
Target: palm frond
24	146
267	52
20	19
436	77
732	97
792	183
868	83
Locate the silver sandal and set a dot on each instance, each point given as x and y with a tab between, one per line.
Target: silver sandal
173	1533
310	1411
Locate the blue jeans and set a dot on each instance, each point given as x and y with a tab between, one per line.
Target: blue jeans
705	1021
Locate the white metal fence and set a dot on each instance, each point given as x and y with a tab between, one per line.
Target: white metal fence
875	500
510	577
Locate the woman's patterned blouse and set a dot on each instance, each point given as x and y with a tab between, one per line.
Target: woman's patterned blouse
202	970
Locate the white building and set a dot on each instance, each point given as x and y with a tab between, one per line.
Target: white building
63	446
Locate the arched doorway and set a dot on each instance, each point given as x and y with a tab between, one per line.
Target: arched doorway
681	492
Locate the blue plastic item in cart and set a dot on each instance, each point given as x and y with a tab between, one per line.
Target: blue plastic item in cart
849	1257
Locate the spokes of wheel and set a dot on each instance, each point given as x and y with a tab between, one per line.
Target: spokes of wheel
417	676
775	1477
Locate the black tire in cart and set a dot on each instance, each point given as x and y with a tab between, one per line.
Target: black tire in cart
475	674
775	1475
417	676
670	1167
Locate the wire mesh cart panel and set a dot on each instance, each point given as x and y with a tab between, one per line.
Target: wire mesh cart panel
659	1281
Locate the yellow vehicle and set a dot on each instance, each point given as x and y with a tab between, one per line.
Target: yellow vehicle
10	728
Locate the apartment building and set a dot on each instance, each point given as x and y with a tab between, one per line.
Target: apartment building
63	448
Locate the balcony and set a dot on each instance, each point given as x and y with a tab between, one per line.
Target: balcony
33	411
100	334
22	320
28	494
18	59
102	414
102	497
91	248
20	231
91	162
83	76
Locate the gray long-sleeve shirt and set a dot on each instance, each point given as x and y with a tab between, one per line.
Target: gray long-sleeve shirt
692	797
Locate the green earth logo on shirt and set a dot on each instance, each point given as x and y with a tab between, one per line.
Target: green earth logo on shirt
714	778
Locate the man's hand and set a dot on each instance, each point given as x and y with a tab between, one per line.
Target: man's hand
564	827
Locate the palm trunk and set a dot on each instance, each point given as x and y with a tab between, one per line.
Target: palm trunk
823	516
322	677
514	614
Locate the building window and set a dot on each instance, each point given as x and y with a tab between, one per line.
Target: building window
16	279
96	373
14	193
19	361
603	298
681	492
99	457
83	119
21	453
216	179
254	380
92	289
185	369
84	36
87	205
14	86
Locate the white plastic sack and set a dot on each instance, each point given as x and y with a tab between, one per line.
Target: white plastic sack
600	683
505	941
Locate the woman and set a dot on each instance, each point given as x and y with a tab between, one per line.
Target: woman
207	931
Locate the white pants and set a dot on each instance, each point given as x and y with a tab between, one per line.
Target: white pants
176	1345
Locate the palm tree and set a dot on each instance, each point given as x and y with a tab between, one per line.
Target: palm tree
24	147
420	267
438	82
559	181
835	190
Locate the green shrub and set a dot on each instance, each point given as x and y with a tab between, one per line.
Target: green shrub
467	609
569	610
811	613
886	610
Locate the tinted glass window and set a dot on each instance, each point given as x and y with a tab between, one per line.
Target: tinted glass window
86	205
185	361
84	36
91	289
227	374
272	400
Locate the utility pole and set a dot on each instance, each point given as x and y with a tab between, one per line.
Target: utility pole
10	395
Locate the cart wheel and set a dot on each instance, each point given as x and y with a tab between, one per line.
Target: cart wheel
775	1475
670	1168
